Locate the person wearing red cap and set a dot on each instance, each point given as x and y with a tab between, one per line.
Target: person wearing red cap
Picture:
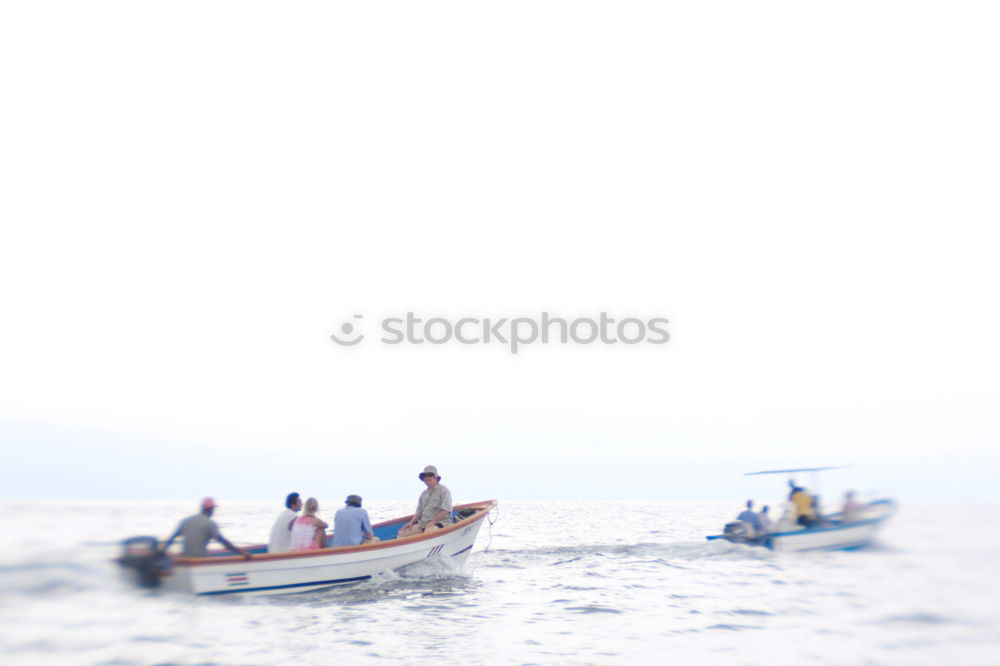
198	530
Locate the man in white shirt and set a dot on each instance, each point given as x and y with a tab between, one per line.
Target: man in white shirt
281	532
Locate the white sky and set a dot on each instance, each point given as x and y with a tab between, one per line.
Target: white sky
195	195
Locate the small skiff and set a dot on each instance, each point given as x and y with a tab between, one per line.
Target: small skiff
834	534
223	573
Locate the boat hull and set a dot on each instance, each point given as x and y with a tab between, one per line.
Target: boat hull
303	571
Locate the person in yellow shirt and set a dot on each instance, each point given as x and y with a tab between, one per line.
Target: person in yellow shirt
803	502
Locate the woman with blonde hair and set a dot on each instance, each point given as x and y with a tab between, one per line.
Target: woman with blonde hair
308	531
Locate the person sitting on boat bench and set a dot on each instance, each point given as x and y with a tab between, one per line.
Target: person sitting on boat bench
433	508
351	525
308	531
852	508
281	532
198	530
788	520
819	519
750	517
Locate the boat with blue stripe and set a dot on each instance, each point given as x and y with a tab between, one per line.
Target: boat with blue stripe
833	534
224	573
835	531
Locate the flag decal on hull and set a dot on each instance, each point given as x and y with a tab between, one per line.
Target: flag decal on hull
237	579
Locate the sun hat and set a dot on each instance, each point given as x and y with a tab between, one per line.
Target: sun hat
430	469
208	503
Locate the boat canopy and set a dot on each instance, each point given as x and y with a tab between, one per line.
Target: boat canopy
792	471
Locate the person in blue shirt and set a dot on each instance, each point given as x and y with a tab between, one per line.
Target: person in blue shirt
351	525
749	516
766	525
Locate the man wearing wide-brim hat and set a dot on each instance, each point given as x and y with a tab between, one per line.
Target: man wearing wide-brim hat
433	509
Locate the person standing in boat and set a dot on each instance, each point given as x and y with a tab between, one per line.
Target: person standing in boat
281	532
433	508
308	531
351	525
198	530
750	517
803	501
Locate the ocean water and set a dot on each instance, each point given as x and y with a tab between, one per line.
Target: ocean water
547	583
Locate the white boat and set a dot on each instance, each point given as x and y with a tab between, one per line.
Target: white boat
835	535
828	532
222	573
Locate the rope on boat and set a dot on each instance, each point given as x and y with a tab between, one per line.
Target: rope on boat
490	519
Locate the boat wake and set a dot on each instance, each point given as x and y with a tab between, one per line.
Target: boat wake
684	550
48	579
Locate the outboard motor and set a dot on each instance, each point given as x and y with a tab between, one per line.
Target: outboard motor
739	532
141	556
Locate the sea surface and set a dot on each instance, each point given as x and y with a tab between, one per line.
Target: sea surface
547	583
